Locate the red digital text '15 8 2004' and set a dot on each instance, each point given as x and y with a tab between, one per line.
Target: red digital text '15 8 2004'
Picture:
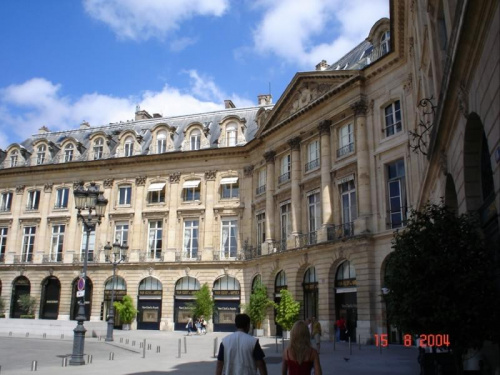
425	340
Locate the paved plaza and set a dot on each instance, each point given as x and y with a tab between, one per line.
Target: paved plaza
161	356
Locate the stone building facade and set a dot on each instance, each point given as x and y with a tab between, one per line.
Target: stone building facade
304	194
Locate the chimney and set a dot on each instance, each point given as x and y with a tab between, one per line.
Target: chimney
84	125
265	99
43	130
228	104
141	114
323	65
157	115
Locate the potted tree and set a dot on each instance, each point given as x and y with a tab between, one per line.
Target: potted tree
287	312
28	304
2	308
126	310
203	305
257	308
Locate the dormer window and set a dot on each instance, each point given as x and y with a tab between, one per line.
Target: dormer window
68	152
231	135
129	146
161	142
13	158
195	140
98	149
40	154
385	43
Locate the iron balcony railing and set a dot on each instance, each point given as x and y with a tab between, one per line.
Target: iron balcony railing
260	190
25	258
284	177
2	258
92	257
53	258
307	239
340	231
347	149
313	164
182	256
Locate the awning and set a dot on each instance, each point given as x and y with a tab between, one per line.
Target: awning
228	180
157	186
191	184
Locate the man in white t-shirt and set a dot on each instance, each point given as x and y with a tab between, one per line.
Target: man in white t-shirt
240	353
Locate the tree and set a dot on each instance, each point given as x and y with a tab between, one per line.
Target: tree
126	309
27	304
259	303
440	280
287	311
2	307
203	305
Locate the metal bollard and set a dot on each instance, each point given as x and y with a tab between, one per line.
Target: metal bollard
34	366
133	343
64	362
149	346
121	339
44	335
216	342
282	344
185	345
89	358
334	341
359	342
62	335
157	348
27	334
10	333
179	349
140	345
111	356
276	344
350	347
144	348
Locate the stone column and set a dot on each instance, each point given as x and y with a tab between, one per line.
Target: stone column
363	182
44	231
295	180
246	229
173	221
16	229
210	198
326	181
269	156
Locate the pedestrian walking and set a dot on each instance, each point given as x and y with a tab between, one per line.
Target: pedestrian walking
300	358
189	326
240	353
316	332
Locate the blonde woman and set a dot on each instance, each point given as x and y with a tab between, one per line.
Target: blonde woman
300	358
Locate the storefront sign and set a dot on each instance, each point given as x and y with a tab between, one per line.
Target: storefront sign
150	292
185	292
226	292
118	294
223	308
52	301
345	283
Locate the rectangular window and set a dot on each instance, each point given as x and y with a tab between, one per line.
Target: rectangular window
228	238
68	154
98	151
393	119
33	200
346	140
129	148
195	140
161	145
312	155
90	257
314	212
28	244
284	169
6	202
191	228
62	198
155	239
286	223
348	199
3	243
13	160
124	195
261	231
156	192
261	183
191	190
121	233
229	187
231	137
56	245
396	193
40	156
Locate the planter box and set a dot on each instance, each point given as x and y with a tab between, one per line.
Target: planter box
258	332
126	327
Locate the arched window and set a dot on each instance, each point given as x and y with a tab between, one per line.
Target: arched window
226	283
186	285
195	139
98	149
385	43
129	146
161	142
68	152
149	284
231	135
256	281
40	154
310	285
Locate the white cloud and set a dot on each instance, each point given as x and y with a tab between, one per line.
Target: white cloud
144	19
26	107
290	29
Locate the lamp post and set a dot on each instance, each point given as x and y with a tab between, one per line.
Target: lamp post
93	201
116	257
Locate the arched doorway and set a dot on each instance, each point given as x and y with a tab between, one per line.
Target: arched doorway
227	303
149	304
20	287
185	289
88	298
393	333
117	284
310	285
51	292
346	298
279	283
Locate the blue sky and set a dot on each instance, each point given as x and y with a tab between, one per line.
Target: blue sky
63	62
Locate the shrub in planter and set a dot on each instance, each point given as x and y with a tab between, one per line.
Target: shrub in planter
259	303
27	304
287	311
2	308
126	309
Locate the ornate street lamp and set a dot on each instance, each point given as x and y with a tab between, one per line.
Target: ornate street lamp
115	255
93	201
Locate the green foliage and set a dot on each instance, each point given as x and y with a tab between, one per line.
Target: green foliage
287	311
259	303
2	306
126	309
203	305
440	280
27	304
